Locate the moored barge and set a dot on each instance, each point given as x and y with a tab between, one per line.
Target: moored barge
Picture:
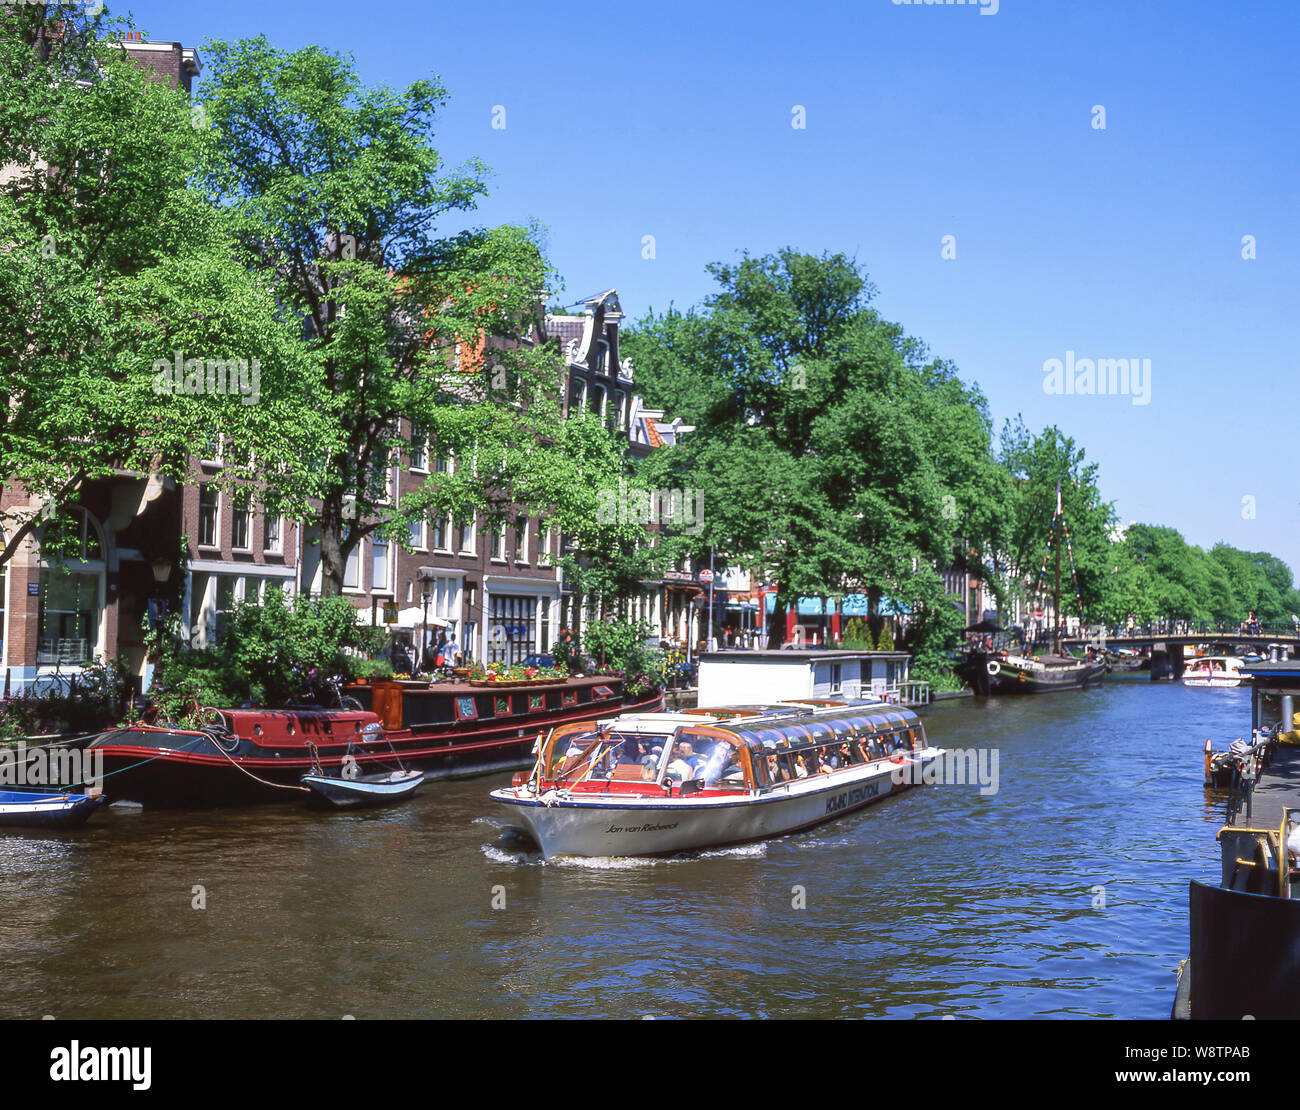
445	730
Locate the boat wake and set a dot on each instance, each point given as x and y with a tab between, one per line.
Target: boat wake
512	851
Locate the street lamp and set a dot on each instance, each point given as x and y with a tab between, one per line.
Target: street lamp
426	577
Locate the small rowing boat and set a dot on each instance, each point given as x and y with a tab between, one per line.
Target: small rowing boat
350	788
364	790
27	809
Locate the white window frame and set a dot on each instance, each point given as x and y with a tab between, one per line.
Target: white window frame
215	545
278	547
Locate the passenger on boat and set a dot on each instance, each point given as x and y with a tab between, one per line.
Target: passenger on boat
681	767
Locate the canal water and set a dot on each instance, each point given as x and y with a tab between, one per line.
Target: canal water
1063	894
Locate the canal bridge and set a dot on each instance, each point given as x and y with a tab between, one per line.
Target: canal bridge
1166	640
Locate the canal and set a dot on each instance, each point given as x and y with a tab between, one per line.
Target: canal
1063	894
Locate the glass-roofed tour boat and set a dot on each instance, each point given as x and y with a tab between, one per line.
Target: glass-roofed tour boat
646	784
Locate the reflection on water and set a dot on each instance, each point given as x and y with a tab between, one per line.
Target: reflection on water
1062	895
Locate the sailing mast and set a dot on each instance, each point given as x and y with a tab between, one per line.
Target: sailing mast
1056	598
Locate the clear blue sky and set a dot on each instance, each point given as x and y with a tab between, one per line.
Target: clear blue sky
674	120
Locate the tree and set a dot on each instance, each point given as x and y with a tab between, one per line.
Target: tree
834	453
337	191
1036	464
111	268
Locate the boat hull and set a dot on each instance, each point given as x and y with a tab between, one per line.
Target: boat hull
999	677
385	790
178	769
19	809
603	826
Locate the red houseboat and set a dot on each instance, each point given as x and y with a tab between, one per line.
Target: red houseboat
242	756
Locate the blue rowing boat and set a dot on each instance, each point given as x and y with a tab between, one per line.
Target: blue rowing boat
28	809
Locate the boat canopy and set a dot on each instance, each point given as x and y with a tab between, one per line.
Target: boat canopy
737	753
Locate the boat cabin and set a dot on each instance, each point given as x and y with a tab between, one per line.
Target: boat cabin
732	749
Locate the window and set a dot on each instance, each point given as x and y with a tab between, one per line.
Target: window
465	543
513	628
211	449
352	571
417	535
419	447
208	502
240	527
69	616
577	394
836	677
227	595
381	480
521	541
598	400
440	534
544	537
379	565
620	413
499	543
272	534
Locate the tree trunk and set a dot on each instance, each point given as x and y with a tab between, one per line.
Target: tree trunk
333	557
776	623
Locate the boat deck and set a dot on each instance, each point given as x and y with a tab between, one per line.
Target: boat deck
1277	788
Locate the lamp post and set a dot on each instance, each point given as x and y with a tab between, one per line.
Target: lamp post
426	593
162	571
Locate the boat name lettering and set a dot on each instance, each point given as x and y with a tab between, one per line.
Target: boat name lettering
852	797
640	828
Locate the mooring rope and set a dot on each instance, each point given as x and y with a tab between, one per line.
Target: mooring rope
245	770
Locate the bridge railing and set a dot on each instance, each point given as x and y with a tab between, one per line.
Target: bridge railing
1281	629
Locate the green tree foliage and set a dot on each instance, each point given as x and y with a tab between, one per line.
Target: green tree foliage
337	191
266	653
1035	464
112	263
833	453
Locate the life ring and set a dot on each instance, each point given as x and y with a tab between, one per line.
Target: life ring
993	667
899	756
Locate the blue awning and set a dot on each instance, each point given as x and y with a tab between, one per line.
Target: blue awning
851	605
808	606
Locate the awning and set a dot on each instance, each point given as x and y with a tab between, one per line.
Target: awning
413	617
851	605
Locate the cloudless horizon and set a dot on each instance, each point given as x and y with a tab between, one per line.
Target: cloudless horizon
921	122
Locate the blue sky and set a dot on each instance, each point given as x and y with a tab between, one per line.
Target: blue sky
922	121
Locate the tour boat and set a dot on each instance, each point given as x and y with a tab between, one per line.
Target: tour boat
29	809
1215	670
654	784
445	730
